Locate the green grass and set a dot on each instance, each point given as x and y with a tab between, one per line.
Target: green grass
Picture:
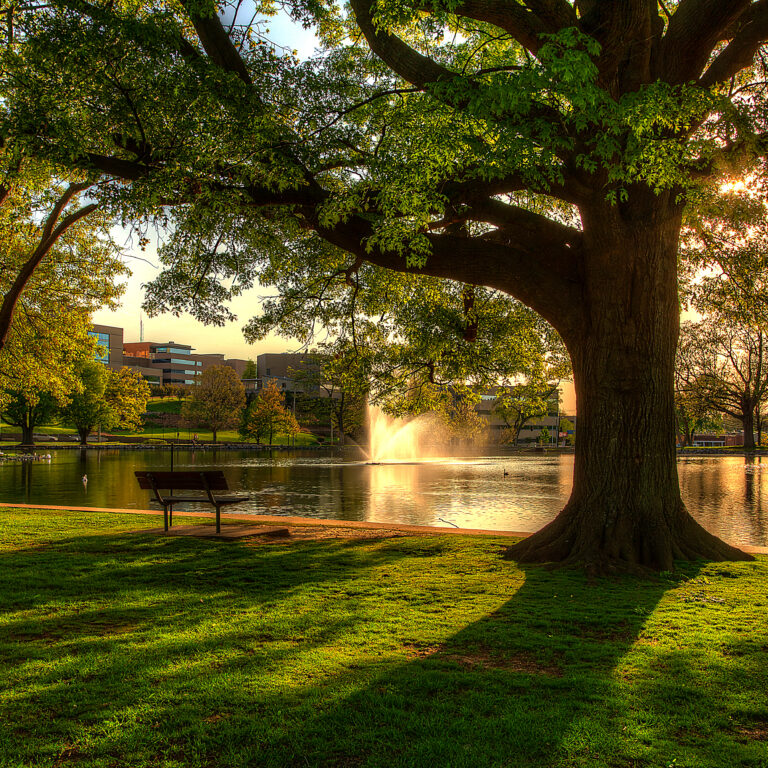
206	436
123	649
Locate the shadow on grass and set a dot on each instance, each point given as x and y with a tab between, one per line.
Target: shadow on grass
132	650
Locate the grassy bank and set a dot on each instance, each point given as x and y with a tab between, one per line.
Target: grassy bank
124	649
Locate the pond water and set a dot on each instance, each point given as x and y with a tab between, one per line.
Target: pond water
728	495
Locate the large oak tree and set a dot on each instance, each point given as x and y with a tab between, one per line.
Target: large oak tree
544	148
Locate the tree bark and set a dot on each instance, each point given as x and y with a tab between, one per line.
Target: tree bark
748	424
625	509
28	432
83	432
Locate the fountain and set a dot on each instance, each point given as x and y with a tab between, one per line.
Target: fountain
398	440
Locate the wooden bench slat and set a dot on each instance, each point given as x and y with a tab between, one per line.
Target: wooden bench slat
191	481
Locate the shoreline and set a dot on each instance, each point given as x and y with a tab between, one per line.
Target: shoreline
291	520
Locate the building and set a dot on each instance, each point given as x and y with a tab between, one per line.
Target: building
279	367
160	363
173	362
110	345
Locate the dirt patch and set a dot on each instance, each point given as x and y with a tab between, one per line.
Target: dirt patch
757	732
517	662
323	532
484	658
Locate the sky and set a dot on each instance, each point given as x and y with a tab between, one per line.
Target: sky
144	266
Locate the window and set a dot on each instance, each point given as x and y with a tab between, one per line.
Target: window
102	350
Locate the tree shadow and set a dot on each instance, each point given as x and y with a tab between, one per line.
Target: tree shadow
146	651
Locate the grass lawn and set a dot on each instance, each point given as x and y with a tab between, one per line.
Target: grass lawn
122	649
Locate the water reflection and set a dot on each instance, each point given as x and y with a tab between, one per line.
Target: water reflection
726	494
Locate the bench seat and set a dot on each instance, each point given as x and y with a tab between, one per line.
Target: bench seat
207	481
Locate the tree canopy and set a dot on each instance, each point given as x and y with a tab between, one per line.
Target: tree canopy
216	400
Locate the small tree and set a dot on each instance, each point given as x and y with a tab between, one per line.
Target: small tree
267	414
462	422
251	370
567	426
517	405
106	399
217	400
722	366
27	411
87	407
126	394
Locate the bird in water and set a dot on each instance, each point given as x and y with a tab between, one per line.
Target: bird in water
85	479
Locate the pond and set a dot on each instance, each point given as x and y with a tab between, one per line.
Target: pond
728	495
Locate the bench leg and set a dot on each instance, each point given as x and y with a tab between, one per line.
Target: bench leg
170	514
218	519
165	517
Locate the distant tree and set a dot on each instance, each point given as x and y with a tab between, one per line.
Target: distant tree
544	437
87	407
461	420
267	415
105	399
251	370
127	394
723	367
339	382
693	413
179	391
567	426
518	404
289	425
27	410
217	401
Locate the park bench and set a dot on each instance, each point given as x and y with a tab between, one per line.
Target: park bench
209	481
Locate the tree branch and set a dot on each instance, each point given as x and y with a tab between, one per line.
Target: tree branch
751	33
546	278
694	30
518	21
52	230
216	42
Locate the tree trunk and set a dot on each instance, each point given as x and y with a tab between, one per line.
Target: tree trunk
83	432
215	432
748	425
27	434
625	509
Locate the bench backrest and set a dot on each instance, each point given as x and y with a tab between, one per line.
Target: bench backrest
184	481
